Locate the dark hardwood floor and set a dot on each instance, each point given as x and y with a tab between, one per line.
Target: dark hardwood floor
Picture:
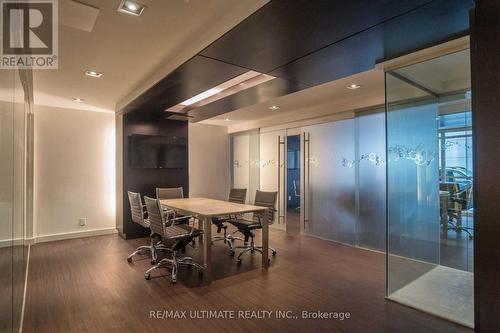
86	285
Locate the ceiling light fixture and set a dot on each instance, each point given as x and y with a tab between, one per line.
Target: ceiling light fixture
131	7
241	82
353	86
227	119
274	107
91	73
78	100
199	97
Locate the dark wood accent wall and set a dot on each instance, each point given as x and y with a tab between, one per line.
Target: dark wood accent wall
145	181
485	62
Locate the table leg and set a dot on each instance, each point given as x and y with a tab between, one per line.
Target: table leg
201	227
265	240
207	248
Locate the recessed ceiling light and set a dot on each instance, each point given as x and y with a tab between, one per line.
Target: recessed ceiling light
274	107
131	7
227	119
91	73
78	100
353	86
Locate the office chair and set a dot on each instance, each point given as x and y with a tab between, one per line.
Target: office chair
172	193
139	217
173	236
169	193
236	195
460	200
264	199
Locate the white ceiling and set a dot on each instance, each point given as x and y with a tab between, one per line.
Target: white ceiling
132	52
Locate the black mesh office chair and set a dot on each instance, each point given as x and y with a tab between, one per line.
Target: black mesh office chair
236	195
173	236
139	216
264	199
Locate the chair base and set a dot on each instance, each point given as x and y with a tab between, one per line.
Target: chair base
459	228
227	239
251	248
174	262
152	250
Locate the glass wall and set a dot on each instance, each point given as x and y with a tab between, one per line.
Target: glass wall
429	187
245	162
329	189
370	164
14	109
272	170
330	177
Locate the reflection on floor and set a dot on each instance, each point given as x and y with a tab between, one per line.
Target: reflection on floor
444	292
293	221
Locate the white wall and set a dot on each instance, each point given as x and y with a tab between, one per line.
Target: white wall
209	172
74	172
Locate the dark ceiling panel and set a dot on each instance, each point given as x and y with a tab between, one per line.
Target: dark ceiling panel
306	41
193	77
437	21
258	94
284	30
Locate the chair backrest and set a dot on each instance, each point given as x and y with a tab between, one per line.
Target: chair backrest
155	215
267	199
136	209
238	195
169	193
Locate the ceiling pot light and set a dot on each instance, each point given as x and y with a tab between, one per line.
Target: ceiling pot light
227	119
274	107
353	86
78	100
92	73
131	7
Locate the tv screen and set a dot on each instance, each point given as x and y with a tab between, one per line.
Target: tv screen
157	152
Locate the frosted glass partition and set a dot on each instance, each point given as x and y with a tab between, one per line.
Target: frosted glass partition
429	187
245	162
272	170
412	184
329	192
370	169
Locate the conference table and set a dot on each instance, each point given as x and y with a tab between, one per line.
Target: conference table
204	209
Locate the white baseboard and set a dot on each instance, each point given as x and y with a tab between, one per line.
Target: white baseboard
75	234
11	242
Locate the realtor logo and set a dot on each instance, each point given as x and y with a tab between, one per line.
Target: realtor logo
29	34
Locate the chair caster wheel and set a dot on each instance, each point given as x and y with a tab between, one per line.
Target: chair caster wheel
274	253
153	262
239	261
129	260
231	253
174	281
268	261
147	276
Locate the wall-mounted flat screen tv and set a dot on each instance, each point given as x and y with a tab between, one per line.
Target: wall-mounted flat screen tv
157	152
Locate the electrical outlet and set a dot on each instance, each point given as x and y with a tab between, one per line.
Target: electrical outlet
82	221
